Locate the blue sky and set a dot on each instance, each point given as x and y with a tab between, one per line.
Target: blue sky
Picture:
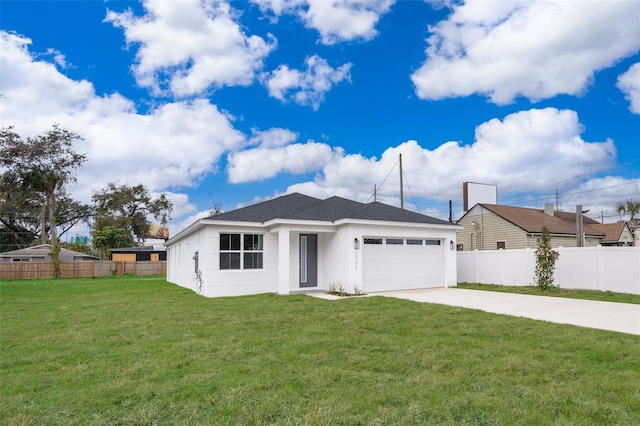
242	101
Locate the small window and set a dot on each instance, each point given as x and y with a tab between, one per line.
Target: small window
395	241
414	242
432	242
377	241
501	245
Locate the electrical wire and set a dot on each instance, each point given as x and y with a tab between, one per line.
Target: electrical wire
383	181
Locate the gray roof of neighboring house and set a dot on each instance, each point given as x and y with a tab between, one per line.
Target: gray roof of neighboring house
43	250
303	207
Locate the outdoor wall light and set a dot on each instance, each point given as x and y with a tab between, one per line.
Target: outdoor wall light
451	245
356	243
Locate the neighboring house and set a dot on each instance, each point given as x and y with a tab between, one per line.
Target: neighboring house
137	254
492	226
296	242
615	234
40	253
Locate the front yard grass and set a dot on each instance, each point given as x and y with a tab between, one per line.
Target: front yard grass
603	296
121	351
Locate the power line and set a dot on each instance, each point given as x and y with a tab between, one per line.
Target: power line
410	193
548	186
384	180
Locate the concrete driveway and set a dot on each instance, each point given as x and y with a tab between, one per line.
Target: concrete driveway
620	317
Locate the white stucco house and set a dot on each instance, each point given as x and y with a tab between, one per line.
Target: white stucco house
296	242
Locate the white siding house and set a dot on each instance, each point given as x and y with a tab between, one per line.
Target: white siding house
296	242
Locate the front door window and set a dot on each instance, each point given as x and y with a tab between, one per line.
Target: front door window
303	259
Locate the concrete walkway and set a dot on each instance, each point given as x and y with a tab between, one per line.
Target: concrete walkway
620	317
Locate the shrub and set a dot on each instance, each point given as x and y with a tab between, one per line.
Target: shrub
546	259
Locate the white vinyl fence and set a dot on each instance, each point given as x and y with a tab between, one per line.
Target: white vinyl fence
614	269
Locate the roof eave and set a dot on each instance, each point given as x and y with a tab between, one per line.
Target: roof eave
301	222
345	221
560	234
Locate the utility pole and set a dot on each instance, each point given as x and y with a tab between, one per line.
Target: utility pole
557	201
579	240
375	193
401	186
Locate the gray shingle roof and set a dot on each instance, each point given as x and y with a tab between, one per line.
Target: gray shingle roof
43	250
302	207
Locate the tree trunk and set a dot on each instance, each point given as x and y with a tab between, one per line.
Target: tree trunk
43	224
51	201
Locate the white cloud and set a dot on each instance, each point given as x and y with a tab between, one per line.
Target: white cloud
262	163
276	154
279	7
440	4
173	145
336	20
306	87
524	152
629	83
58	58
178	226
536	49
272	138
34	89
191	46
181	203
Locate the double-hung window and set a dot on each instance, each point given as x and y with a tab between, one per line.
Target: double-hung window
252	251
241	251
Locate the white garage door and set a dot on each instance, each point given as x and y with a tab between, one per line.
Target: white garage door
402	264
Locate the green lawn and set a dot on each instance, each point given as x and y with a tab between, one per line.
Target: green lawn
605	296
134	351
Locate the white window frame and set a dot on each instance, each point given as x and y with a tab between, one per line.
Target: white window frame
242	250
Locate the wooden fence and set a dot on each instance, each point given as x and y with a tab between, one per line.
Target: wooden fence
82	268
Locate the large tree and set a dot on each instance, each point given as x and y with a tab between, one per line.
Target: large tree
39	168
130	208
21	214
23	217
